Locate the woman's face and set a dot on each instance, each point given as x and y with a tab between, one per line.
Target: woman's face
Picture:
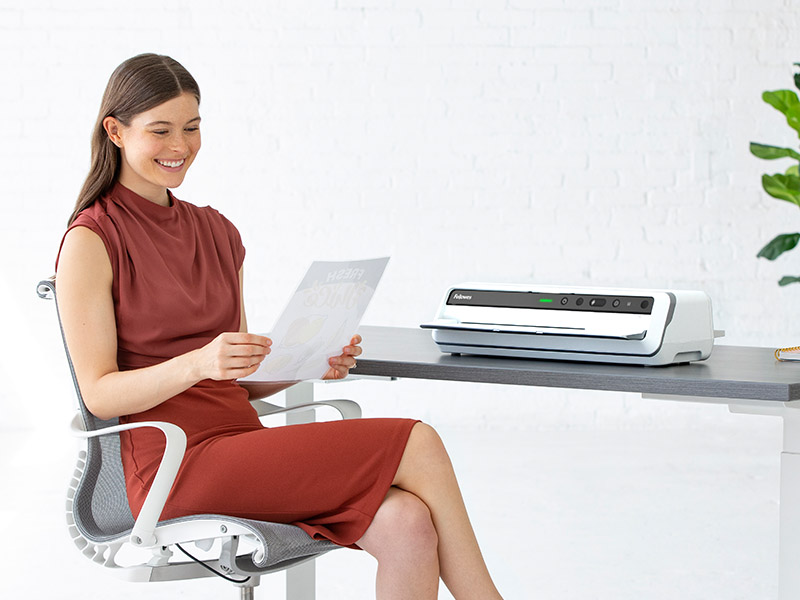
158	146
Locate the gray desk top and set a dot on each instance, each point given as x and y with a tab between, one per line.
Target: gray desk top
731	372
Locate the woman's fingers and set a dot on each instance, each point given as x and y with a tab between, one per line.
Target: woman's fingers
235	354
241	338
341	365
248	350
353	349
245	344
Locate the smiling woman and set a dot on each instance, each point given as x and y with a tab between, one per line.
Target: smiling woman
139	85
150	298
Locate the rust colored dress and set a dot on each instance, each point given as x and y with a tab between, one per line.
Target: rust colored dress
175	288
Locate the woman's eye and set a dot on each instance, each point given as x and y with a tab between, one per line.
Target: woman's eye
161	132
192	129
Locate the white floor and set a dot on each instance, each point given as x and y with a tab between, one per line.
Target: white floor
655	513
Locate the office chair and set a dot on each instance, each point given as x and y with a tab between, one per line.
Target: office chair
102	526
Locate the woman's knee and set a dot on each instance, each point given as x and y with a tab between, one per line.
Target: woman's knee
424	457
425	436
401	525
408	519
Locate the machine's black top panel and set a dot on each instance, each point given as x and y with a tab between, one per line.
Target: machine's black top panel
641	305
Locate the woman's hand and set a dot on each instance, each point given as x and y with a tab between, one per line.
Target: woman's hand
230	355
341	365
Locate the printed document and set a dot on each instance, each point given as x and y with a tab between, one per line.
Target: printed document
320	319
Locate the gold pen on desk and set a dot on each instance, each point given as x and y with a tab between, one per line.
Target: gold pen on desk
788	354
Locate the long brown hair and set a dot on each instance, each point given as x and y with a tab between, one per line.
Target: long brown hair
137	85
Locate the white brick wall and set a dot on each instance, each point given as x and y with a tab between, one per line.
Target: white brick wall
581	142
556	142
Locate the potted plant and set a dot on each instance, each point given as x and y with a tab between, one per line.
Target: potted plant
783	186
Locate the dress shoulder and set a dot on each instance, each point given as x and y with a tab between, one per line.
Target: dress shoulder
221	225
95	219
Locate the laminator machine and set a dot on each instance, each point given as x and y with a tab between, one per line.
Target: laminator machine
629	326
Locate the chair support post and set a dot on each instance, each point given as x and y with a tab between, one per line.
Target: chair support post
301	580
247	591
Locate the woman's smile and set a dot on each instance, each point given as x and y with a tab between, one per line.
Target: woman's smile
172	166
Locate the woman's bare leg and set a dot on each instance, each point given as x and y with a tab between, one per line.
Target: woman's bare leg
403	539
426	472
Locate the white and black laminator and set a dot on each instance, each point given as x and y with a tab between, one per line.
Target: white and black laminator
629	326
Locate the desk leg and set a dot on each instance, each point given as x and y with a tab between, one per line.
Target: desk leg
301	580
789	522
789	548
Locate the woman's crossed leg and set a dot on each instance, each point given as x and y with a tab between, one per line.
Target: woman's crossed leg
422	532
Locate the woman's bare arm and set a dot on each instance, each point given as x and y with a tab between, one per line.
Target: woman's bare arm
87	312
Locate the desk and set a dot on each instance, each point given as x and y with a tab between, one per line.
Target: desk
731	372
748	380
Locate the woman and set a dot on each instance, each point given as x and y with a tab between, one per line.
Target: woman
150	294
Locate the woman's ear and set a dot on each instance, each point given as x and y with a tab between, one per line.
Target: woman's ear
112	127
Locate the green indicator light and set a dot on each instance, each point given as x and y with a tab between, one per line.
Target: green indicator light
545	299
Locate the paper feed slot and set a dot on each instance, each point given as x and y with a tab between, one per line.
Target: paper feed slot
534	330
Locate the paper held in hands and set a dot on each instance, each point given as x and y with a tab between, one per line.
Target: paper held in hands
321	318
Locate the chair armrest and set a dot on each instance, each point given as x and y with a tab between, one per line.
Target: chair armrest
143	535
347	408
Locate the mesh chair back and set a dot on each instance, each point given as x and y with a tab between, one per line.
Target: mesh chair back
101	509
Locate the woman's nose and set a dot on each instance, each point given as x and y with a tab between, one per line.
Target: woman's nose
179	143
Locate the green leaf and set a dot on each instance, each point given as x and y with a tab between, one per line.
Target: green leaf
793	117
772	152
782	187
787	280
782	243
781	100
793	170
797	77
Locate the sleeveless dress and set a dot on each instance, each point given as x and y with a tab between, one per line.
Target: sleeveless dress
175	288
